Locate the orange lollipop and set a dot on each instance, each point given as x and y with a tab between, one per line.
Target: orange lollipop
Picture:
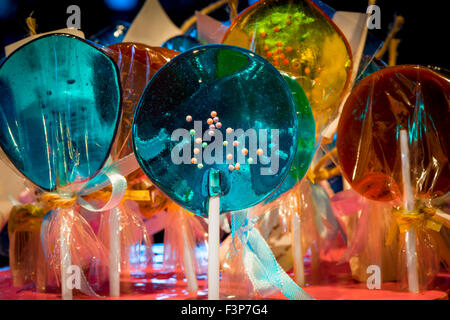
409	98
137	64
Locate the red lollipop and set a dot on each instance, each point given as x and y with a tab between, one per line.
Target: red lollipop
412	99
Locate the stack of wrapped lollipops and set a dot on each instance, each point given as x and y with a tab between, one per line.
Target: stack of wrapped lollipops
277	157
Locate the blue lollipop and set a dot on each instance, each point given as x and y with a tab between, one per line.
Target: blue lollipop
216	130
59	112
216	111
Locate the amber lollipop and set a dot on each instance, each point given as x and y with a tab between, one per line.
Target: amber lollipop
411	98
137	64
122	228
393	144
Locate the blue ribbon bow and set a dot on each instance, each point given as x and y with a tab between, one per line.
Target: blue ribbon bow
262	268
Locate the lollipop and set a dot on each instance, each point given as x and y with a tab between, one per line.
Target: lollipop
393	143
137	63
299	39
59	134
398	98
208	83
203	129
303	157
32	136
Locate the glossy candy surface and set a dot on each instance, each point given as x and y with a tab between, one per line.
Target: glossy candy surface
299	39
229	88
306	130
137	64
59	110
306	139
413	98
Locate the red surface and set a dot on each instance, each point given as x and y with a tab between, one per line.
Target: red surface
155	284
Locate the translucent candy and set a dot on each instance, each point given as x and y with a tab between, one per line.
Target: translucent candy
59	110
402	97
247	93
299	39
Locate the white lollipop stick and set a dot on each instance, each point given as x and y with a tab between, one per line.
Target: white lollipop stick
408	199
213	247
66	261
297	250
188	261
114	252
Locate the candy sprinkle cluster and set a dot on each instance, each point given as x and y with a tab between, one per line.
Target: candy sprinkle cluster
214	123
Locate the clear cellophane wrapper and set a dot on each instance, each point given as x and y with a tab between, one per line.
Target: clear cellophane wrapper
68	240
322	234
36	238
393	148
367	224
184	231
432	249
322	245
135	243
235	283
26	258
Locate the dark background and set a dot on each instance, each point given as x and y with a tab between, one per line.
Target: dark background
423	36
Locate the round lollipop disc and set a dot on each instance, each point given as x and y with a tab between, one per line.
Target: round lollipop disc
59	110
178	148
411	98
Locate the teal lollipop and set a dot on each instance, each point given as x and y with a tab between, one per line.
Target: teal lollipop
216	120
59	110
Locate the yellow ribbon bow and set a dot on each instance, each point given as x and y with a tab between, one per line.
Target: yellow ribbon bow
50	200
404	220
